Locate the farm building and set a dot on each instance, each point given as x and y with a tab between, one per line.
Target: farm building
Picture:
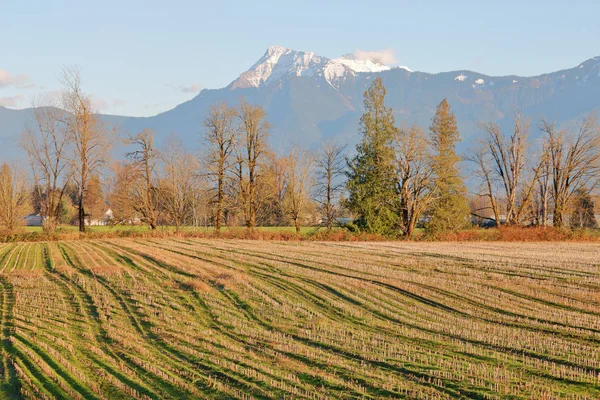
33	220
105	219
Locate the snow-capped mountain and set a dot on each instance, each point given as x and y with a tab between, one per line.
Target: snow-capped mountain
309	98
279	62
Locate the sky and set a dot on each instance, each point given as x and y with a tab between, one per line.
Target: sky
141	58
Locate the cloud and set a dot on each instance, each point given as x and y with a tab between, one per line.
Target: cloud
51	97
19	81
193	88
12	101
98	104
119	102
384	57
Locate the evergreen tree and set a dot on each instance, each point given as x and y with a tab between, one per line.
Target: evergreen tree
450	209
583	214
371	174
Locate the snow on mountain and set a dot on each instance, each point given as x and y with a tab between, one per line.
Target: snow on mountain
335	72
361	65
279	62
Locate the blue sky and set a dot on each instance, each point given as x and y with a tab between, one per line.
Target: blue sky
144	57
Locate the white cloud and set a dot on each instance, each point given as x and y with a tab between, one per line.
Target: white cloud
193	88
119	102
20	81
49	97
384	57
99	104
12	101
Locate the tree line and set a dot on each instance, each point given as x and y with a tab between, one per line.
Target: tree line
399	178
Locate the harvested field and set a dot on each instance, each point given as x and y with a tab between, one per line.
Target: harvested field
190	318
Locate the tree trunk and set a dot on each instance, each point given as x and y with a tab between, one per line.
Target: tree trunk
544	213
219	213
297	225
410	230
251	196
81	215
557	219
49	224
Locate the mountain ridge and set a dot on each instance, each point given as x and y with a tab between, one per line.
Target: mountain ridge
306	105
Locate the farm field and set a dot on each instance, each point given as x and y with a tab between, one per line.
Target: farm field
189	318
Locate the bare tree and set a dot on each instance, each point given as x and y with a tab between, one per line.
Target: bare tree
414	176
177	186
503	160
250	155
14	197
574	162
240	189
121	192
330	165
142	191
200	203
91	140
297	184
220	136
47	146
543	190
480	156
270	190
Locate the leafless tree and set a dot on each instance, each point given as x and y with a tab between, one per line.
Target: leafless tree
330	168
502	161
200	203
91	140
120	193
47	146
414	176
178	183
250	155
143	189
14	197
220	134
574	162
298	177
543	189
481	158
270	189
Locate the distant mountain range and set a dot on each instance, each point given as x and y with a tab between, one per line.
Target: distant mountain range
309	98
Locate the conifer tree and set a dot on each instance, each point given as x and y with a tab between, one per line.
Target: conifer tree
450	209
371	173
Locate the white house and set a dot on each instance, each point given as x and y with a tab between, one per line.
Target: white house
105	219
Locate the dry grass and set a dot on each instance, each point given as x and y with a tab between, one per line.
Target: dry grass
184	317
504	234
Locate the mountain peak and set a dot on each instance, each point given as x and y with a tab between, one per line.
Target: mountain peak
276	63
279	61
277	51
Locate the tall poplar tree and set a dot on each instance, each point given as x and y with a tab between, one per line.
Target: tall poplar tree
450	208
371	173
